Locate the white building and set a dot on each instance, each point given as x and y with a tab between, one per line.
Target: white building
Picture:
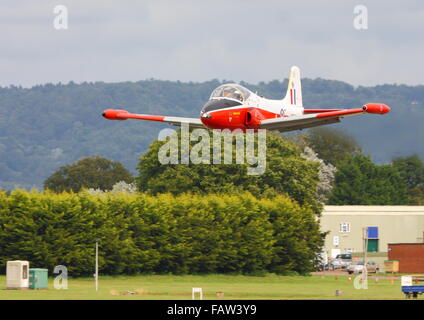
387	224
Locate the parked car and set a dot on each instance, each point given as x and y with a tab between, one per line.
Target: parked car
341	261
358	267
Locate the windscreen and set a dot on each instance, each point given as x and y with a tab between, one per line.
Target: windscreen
231	91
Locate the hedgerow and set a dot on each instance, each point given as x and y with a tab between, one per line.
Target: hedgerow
139	233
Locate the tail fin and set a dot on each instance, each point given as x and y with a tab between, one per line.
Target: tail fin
294	91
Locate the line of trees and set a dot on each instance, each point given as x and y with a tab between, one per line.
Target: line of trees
201	218
158	234
186	219
355	180
50	125
360	181
334	171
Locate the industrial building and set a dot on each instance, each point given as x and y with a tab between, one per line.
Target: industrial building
347	226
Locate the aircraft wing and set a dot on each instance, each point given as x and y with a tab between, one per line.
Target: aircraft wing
317	117
176	121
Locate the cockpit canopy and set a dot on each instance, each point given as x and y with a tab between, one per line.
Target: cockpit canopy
231	91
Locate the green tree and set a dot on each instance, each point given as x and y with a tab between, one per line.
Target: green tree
140	233
287	172
359	181
92	172
411	169
416	195
331	145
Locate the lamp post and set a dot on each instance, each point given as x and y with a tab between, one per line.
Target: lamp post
96	274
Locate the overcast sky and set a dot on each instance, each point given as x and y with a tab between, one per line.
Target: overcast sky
246	40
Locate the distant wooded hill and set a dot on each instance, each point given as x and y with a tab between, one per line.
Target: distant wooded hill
47	126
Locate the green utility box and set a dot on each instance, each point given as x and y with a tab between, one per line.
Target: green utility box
38	278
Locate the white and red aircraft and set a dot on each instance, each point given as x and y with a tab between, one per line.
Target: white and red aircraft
231	106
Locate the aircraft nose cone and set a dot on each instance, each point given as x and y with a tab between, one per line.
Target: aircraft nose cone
206	115
207	120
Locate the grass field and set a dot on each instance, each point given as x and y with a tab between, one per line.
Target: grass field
171	287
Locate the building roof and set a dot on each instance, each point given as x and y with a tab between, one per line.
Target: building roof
373	210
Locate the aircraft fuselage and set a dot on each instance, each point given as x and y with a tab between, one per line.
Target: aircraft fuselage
220	113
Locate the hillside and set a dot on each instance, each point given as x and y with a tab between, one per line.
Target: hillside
44	127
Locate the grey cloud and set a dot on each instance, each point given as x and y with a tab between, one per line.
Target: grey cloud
201	40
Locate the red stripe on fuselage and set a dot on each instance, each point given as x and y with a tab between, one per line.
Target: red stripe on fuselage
221	119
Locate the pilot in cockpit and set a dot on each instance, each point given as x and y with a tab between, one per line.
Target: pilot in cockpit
232	93
237	95
226	93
